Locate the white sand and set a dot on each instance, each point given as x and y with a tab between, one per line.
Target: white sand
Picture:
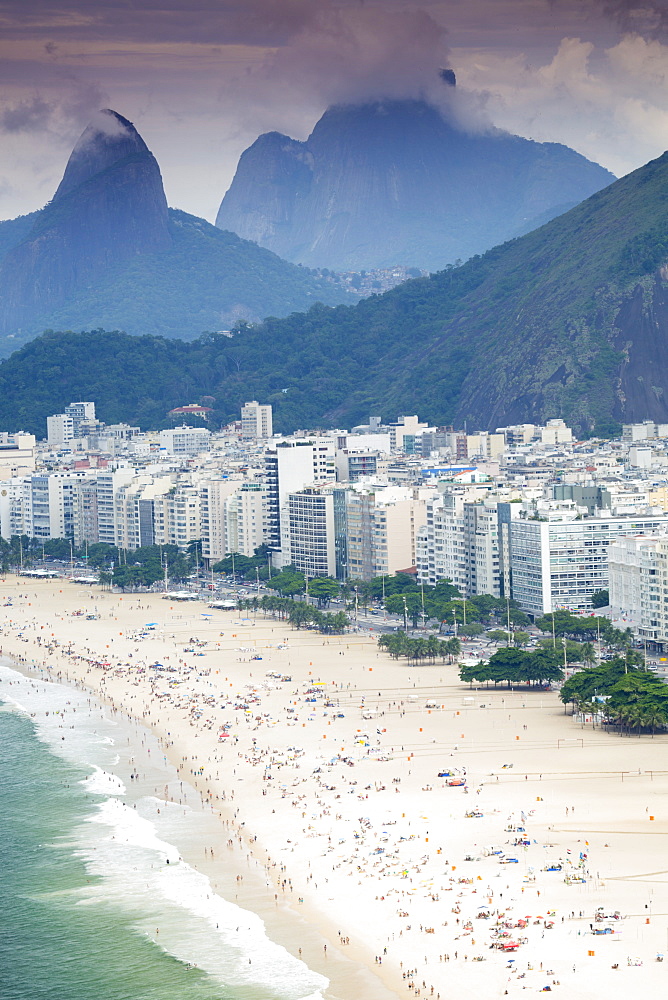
347	817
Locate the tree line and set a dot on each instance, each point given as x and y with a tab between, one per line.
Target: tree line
298	613
398	644
621	692
515	666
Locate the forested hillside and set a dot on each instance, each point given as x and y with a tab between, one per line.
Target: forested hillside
570	320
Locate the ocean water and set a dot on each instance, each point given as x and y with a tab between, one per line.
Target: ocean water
96	901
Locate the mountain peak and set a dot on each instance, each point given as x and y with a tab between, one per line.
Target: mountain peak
108	138
397	182
109	207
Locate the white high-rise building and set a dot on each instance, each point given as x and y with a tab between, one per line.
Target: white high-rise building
135	507
634	583
185	440
561	559
246	519
176	515
441	548
311	531
461	542
256	421
48	504
108	482
80	413
214	494
59	430
289	467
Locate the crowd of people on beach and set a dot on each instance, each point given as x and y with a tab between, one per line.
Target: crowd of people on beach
328	807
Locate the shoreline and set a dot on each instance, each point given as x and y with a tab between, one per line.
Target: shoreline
286	925
358	874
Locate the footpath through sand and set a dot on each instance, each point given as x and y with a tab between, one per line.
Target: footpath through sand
425	829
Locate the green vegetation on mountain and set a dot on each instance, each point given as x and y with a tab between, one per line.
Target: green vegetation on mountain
569	321
206	280
107	252
14	231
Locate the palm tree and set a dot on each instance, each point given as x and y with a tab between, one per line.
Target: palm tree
590	708
434	646
588	653
654	718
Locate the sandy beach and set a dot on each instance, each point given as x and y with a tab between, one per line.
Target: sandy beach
320	759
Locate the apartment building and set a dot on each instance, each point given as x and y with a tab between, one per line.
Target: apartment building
59	430
185	441
245	518
381	527
17	454
108	482
256	422
311	531
633	581
139	518
351	466
460	541
48	502
177	517
214	494
290	466
560	558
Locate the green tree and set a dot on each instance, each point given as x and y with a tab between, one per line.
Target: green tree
235	563
471	630
301	614
498	635
288	582
409	603
323	588
600	599
588	653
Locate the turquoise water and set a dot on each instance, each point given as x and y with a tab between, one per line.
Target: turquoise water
96	902
53	944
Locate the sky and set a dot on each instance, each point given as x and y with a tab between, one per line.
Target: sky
201	79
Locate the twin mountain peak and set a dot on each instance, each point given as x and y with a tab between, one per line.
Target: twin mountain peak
568	320
374	185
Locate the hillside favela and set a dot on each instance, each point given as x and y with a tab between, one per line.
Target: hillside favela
333	499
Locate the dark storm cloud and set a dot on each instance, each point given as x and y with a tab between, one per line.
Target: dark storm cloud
648	18
255	22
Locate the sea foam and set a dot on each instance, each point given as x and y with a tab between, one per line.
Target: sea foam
186	916
102	782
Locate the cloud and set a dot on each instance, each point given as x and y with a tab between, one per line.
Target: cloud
62	116
648	18
259	22
609	104
31	115
346	55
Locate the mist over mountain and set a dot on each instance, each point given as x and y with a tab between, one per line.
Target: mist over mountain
106	251
568	321
395	182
